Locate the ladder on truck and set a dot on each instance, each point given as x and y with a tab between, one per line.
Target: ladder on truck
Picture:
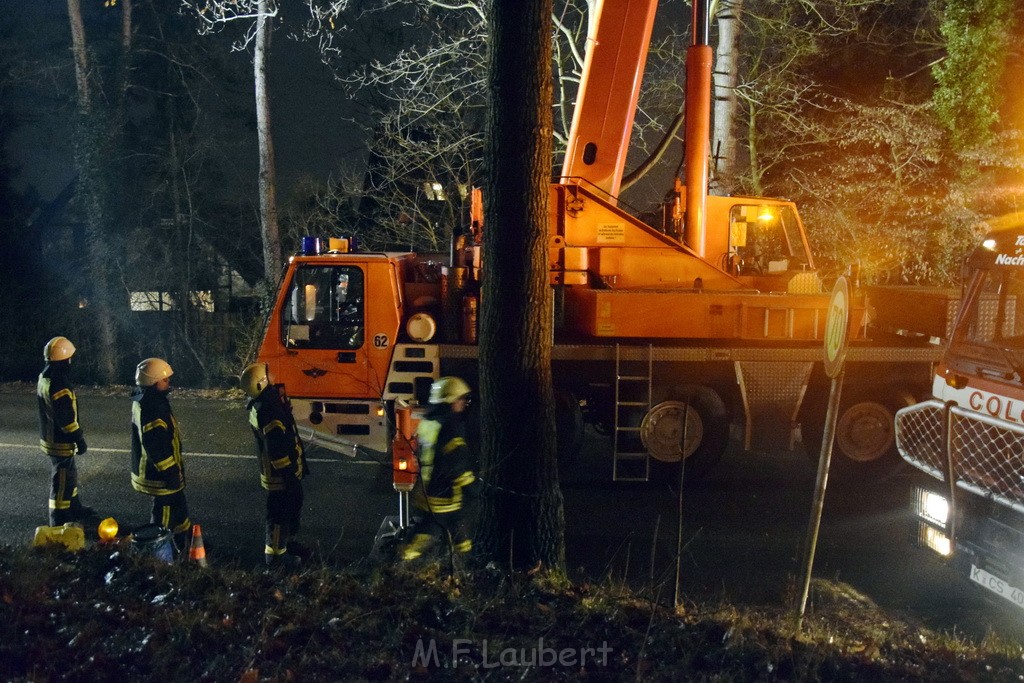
633	390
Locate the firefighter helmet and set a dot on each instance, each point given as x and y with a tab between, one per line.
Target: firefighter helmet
58	348
255	379
151	371
448	390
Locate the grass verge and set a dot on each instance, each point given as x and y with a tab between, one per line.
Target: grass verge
108	614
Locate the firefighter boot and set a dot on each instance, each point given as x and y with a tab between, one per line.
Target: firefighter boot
284	561
417	546
299	550
80	512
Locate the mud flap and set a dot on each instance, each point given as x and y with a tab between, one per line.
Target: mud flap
772	394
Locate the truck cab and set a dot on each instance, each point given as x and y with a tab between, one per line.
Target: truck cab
331	339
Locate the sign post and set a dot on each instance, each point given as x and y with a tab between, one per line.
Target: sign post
837	332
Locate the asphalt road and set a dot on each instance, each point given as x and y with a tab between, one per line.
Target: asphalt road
743	528
346	498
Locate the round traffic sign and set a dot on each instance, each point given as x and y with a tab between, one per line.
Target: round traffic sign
837	328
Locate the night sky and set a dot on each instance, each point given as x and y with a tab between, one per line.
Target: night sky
311	134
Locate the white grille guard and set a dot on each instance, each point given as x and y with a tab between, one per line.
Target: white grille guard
982	454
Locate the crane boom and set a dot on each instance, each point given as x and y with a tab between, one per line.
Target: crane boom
613	70
698	130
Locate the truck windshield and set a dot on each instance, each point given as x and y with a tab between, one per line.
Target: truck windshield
993	317
993	323
324	308
767	238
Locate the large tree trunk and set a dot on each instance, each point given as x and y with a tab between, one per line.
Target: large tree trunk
91	194
726	75
268	177
522	522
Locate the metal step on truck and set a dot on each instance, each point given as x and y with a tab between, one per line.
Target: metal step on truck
968	439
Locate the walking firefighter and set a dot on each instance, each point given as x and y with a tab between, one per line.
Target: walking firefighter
445	464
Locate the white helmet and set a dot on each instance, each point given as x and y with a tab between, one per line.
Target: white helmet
58	348
255	379
151	371
448	390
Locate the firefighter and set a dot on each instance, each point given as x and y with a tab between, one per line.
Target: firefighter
445	470
158	469
282	463
60	434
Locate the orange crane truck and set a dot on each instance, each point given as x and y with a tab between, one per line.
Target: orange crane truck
969	437
714	317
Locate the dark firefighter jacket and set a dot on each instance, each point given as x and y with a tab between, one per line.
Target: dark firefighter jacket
58	411
277	440
446	464
157	466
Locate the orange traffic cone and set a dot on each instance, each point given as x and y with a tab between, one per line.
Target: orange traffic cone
197	553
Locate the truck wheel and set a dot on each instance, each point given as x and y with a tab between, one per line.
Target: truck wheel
865	439
706	428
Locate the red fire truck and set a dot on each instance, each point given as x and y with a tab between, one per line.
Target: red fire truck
969	438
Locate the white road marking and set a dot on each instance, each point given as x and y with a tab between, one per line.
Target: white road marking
190	454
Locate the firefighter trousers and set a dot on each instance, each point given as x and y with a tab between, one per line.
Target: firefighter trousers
64	503
284	511
446	527
171	512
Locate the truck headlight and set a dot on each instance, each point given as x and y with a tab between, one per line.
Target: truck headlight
932	507
931	537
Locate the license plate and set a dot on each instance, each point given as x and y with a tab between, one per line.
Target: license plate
997	586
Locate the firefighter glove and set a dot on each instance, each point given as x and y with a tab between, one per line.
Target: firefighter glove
82	448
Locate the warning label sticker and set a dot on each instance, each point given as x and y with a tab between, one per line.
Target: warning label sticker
611	233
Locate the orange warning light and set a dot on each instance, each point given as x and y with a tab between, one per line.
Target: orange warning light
107	530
